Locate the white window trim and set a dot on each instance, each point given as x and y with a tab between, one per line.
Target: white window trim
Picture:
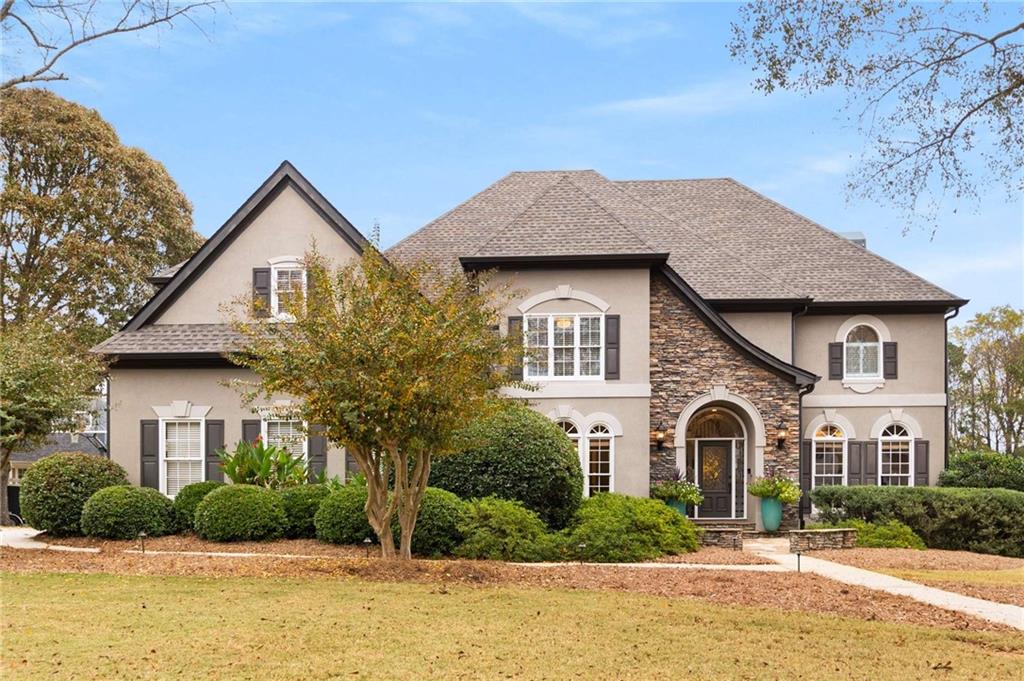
846	453
286	262
911	450
162	439
264	422
551	346
585	456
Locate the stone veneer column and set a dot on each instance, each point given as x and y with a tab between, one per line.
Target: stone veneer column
688	358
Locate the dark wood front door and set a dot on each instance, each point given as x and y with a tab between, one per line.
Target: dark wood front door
714	477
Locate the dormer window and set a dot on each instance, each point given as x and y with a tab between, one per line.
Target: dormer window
564	346
862	353
287	281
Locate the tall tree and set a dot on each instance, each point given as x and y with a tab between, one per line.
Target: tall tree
929	85
391	361
83	218
50	29
987	381
43	384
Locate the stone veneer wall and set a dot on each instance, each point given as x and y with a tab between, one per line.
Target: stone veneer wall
687	359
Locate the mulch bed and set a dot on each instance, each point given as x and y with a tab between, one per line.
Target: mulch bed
783	591
911	559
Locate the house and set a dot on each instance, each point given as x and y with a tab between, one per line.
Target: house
690	327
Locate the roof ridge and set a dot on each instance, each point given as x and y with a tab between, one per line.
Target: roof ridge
837	236
610	214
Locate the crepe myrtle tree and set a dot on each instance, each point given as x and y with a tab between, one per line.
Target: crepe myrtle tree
44	383
391	361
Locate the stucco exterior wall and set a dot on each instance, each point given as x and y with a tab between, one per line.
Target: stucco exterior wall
288	226
772	331
134	392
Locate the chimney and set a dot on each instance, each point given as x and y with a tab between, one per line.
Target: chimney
856	237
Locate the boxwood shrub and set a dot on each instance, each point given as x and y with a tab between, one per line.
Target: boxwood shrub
341	518
984	469
614	528
891	534
55	488
240	513
516	454
123	511
300	506
498	529
437	526
967	519
186	501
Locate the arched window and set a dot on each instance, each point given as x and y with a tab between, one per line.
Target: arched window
863	353
828	459
896	456
597	472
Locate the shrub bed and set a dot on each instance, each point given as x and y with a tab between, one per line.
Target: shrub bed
979	520
341	518
240	513
123	511
300	506
614	528
437	526
498	529
891	534
520	455
186	501
984	469
54	489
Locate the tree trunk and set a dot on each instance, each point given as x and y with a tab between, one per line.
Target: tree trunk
5	474
412	499
379	507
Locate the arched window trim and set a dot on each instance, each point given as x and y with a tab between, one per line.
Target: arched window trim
599	431
828	434
877	345
886	437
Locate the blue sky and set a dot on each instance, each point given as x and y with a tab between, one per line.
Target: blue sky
399	112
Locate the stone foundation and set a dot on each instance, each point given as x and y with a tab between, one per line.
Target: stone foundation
816	540
723	538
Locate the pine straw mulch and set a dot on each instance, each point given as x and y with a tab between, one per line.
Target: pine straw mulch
311	547
912	559
782	591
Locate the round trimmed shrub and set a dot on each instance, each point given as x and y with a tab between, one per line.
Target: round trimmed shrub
341	518
240	513
614	528
300	506
437	525
123	511
520	455
498	529
55	488
186	501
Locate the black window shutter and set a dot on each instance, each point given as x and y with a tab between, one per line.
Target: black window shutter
869	473
316	452
805	474
920	463
854	463
214	442
835	361
515	330
251	429
611	346
261	291
149	452
889	362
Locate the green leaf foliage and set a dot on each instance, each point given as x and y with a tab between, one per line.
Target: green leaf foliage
437	525
965	519
54	489
186	501
520	455
257	463
775	487
240	513
614	528
341	518
984	469
123	511
891	534
498	529
300	506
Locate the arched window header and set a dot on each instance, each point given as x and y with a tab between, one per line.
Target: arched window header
829	431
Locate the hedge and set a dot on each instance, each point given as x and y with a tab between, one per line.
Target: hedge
498	529
300	506
437	525
520	455
123	511
341	518
979	520
240	513
55	488
984	469
891	534
186	501
614	528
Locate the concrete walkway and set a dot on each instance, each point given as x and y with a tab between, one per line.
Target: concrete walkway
25	538
778	551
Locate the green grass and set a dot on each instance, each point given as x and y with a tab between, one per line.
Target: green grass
104	626
1007	577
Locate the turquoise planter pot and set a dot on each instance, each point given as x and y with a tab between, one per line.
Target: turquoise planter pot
680	506
771	514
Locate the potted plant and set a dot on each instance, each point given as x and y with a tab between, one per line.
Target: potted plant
774	491
679	493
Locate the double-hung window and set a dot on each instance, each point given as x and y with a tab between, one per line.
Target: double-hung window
182	451
286	434
896	456
596	452
564	345
863	353
288	281
829	459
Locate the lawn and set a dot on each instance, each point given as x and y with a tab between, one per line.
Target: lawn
115	626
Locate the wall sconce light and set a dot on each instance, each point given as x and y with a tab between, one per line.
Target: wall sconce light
659	435
781	434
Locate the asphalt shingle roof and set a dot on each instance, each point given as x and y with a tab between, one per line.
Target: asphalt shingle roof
157	339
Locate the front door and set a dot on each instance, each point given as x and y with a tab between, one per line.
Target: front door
714	477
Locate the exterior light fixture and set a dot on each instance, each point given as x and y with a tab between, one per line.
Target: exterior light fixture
781	434
659	435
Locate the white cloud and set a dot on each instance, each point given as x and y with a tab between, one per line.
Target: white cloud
702	99
599	25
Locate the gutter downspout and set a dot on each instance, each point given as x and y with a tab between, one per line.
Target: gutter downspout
945	356
800	402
